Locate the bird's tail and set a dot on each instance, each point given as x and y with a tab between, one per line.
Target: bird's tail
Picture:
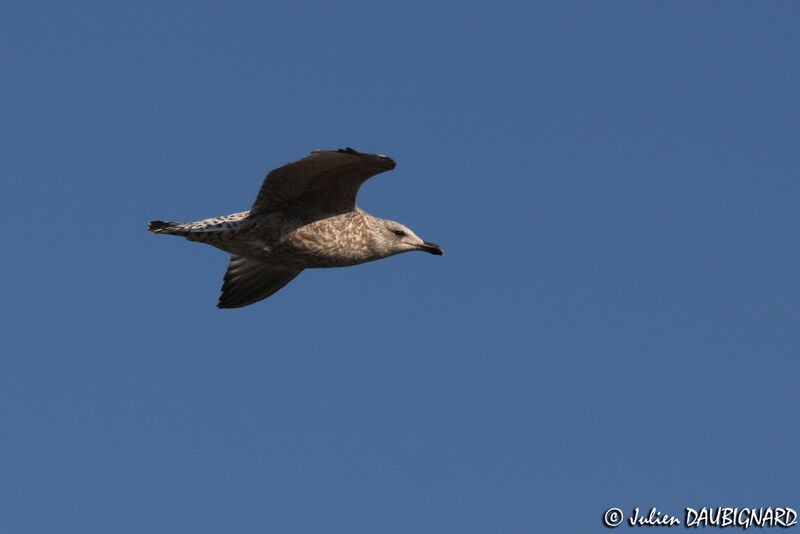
166	227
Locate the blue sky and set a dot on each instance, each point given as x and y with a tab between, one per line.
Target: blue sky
615	321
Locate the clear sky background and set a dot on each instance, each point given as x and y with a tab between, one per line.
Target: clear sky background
616	321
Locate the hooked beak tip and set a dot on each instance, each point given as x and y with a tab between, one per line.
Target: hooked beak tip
431	248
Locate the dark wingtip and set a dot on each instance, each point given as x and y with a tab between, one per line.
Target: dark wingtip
385	161
225	303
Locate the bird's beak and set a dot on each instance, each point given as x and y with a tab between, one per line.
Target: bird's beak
432	248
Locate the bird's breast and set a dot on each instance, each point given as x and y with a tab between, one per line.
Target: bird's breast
334	242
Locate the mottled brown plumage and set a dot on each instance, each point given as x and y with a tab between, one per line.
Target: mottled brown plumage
305	216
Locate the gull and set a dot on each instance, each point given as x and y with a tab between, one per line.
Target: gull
305	216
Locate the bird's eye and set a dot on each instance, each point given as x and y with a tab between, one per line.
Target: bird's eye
399	233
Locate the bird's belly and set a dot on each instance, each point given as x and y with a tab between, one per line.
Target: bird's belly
309	257
333	242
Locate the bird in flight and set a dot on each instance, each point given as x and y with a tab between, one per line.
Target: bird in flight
305	216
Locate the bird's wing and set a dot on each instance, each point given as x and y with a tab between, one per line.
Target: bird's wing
248	281
325	182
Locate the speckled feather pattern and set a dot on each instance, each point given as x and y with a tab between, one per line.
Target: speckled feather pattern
337	241
304	217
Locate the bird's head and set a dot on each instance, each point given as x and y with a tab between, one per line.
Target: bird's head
393	238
